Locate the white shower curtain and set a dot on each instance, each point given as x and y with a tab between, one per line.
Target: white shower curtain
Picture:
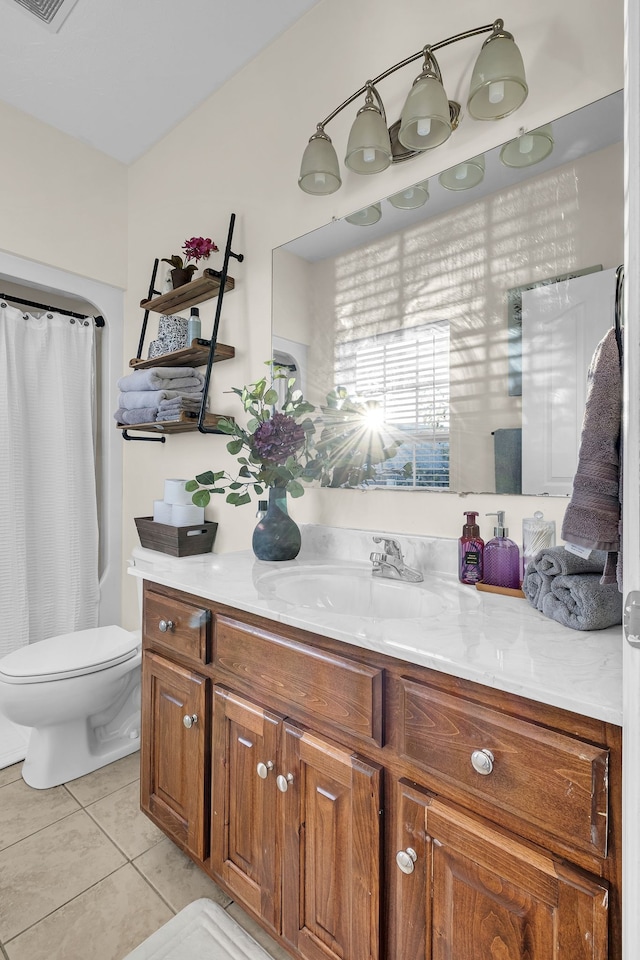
48	511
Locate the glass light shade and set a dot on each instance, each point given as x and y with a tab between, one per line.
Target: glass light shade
498	85
528	149
319	170
425	122
464	175
412	197
365	217
369	146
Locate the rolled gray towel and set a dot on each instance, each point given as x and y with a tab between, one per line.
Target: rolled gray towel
557	562
535	586
581	602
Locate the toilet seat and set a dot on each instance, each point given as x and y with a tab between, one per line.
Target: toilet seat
69	655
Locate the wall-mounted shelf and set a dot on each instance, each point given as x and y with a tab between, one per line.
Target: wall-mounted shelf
212	284
194	356
187	423
204	288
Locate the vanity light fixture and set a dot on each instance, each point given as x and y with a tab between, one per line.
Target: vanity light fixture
498	87
464	175
528	148
412	197
366	216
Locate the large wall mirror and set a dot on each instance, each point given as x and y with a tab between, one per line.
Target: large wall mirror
465	310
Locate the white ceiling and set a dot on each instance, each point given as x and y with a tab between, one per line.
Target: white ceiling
120	74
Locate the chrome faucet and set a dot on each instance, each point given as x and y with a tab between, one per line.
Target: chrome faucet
390	563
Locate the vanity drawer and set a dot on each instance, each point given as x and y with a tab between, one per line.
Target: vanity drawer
300	680
548	779
176	625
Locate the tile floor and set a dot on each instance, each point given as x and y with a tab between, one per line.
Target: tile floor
84	875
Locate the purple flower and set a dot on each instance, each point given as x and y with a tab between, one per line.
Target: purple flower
199	248
277	439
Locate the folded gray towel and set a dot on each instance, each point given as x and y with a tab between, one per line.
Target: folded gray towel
144	398
162	378
139	415
558	561
186	401
581	602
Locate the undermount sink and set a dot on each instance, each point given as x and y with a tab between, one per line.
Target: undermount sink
352	592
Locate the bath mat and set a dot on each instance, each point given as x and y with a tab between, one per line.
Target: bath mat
203	930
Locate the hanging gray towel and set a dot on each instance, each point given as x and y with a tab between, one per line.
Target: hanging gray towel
593	516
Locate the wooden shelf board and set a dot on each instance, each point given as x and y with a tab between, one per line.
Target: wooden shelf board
205	287
187	423
194	356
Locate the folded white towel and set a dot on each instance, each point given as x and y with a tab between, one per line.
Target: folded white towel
162	378
143	398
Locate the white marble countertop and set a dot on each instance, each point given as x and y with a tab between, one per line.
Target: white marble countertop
495	640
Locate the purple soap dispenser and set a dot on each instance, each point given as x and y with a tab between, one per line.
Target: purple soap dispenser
501	557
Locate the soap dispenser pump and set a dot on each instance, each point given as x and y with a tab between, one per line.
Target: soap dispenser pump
470	550
501	557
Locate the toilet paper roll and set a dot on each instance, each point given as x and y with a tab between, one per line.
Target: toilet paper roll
161	511
174	492
186	515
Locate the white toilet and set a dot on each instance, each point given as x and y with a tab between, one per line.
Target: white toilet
80	695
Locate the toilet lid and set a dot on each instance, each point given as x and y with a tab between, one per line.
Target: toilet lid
69	655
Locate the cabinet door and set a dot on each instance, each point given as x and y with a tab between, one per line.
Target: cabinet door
331	816
483	894
174	758
244	834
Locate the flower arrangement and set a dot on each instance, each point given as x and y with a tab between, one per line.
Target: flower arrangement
282	448
196	248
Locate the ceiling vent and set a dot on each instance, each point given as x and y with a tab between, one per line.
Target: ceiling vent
51	13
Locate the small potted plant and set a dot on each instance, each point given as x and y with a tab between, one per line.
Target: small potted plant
196	249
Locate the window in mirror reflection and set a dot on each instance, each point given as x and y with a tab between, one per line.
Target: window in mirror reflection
405	376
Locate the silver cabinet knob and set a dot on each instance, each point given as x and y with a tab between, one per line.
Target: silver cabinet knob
482	762
166	626
189	720
406	859
283	782
263	769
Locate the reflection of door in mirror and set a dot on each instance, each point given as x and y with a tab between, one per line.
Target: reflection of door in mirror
376	314
562	324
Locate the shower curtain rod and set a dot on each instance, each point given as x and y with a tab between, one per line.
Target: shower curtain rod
99	321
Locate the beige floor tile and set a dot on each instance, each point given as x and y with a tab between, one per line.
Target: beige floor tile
176	877
120	817
94	786
40	873
9	774
255	930
24	811
104	923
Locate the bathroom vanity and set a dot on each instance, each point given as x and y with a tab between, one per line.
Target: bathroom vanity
442	784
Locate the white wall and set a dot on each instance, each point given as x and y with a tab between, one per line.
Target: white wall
240	151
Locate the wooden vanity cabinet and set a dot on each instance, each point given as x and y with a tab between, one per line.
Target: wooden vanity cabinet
295	831
363	808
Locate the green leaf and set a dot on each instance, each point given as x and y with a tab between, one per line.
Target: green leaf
235	446
235	485
271	397
226	426
295	488
258	489
201	498
238	499
204	479
253	425
191	485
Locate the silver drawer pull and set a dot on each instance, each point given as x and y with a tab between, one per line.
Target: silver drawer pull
283	782
263	769
166	626
190	720
406	859
482	762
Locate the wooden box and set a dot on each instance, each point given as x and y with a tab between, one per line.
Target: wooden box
176	541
